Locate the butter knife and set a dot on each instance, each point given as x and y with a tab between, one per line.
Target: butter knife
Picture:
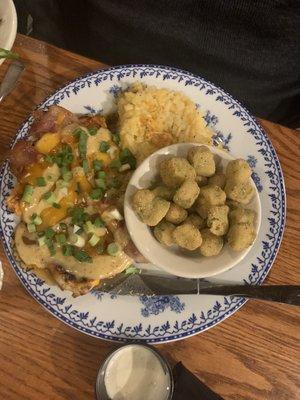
148	284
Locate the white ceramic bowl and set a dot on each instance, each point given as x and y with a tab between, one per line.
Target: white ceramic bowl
8	25
172	259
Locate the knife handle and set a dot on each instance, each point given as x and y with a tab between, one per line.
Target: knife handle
289	294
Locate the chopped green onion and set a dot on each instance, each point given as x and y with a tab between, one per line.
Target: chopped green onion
76	240
116	138
31	227
67	250
82	144
97	165
104	146
27	194
49	197
51	249
63	226
60	238
42	240
81	255
115	163
94	240
131	270
113	249
89	227
49	159
77	132
40	181
8	54
67	176
56	205
96	194
114	183
101	175
92	130
36	219
100	183
85	166
49	233
78	215
98	223
127	157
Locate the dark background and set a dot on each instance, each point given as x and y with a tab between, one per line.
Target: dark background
251	48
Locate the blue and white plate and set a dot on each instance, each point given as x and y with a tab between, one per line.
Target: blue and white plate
163	318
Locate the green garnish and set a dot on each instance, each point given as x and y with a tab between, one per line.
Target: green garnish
131	270
97	165
42	240
63	157
98	223
85	166
104	146
8	54
96	194
92	130
89	227
63	226
126	157
116	138
67	250
101	175
78	216
49	233
36	219
77	132
60	238
51	248
82	144
113	249
49	197
41	181
94	240
100	183
114	183
67	176
116	163
31	227
56	205
27	194
81	255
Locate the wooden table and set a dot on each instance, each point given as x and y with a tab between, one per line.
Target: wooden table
252	355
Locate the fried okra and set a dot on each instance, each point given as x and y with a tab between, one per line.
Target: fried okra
186	194
240	192
164	233
240	236
218	179
210	195
202	160
164	192
211	244
238	171
150	209
195	220
176	214
187	236
174	171
241	216
217	220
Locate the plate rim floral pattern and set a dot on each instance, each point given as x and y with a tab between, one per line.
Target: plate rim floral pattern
239	111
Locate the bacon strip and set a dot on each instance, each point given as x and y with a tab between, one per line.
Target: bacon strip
52	120
22	155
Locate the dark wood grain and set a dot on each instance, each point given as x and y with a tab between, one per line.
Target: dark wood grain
253	355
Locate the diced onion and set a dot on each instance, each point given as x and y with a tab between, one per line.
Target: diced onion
124	167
